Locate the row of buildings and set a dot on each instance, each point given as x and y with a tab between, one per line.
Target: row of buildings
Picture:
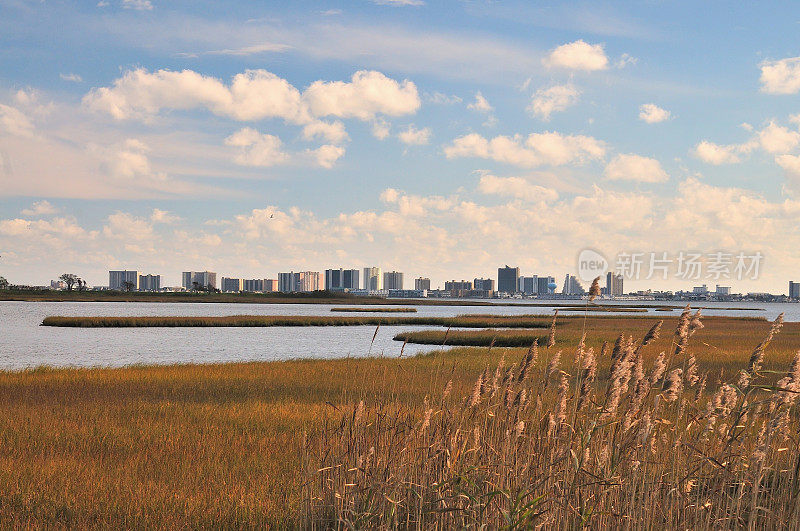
369	281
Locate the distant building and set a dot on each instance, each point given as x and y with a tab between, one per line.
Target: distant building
341	279
298	282
393	280
723	290
700	290
270	285
58	284
407	293
572	286
544	285
230	285
528	285
373	280
422	283
251	285
507	279
118	280
794	290
199	280
614	287
458	285
483	284
149	282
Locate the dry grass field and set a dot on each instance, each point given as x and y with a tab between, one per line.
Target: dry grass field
286	443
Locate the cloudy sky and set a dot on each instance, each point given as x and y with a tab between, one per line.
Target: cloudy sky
437	138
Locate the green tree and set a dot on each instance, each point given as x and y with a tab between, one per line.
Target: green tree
69	279
3	283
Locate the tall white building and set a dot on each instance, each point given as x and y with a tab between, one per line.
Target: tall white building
199	279
230	285
149	282
292	282
373	280
572	286
118	279
393	280
341	279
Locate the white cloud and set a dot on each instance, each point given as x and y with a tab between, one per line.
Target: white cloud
75	78
380	129
549	148
781	77
578	55
626	60
14	122
413	136
331	131
325	156
480	104
254	95
139	5
368	94
717	154
252	49
517	187
790	164
554	99
257	149
440	98
40	208
163	216
778	139
652	113
630	167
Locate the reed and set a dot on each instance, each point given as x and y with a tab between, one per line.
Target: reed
474	338
374	310
464	321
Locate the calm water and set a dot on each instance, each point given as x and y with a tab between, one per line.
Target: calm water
23	343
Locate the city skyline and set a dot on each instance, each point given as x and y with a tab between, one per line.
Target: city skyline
435	139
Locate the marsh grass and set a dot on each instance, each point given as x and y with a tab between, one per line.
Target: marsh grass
238	445
464	321
375	310
475	338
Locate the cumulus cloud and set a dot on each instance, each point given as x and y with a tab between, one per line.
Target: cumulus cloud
538	149
368	94
412	136
257	149
781	76
554	99
14	122
480	104
577	55
517	187
717	154
778	139
163	216
380	129
333	132
40	208
325	156
652	113
254	95
790	165
630	167
75	78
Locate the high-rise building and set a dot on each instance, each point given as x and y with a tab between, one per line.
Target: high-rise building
296	282
123	280
231	285
149	282
341	279
543	285
529	285
614	285
393	280
373	280
458	285
507	279
270	285
422	283
572	286
251	285
726	290
199	280
794	290
483	284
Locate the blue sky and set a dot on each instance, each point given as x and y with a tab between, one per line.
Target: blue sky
438	138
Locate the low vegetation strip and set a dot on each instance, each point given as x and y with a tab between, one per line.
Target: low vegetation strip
295	320
375	310
474	338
